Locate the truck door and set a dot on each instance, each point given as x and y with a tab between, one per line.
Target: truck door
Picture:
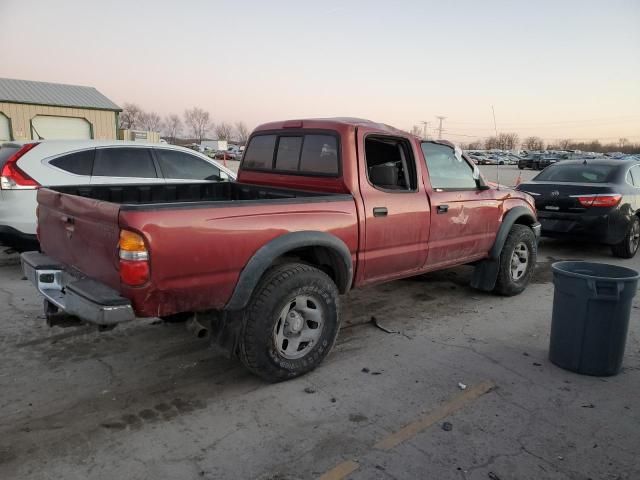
396	206
465	216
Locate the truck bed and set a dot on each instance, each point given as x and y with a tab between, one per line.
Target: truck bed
136	197
200	235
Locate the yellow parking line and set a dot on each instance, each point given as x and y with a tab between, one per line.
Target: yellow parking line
341	470
412	429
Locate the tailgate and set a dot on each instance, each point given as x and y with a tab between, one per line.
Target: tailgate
81	233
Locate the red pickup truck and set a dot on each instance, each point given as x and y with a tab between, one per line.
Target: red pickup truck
319	207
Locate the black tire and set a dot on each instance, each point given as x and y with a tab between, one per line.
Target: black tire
521	167
506	284
628	247
278	290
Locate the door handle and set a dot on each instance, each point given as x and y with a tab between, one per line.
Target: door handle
380	211
442	208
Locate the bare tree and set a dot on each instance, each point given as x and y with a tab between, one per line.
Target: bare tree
150	121
130	116
242	133
563	144
224	131
622	142
507	141
475	145
172	127
533	143
491	143
198	121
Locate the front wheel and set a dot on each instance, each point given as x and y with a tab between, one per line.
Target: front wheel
628	247
517	261
291	322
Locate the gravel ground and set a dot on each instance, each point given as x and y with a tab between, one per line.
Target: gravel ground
147	400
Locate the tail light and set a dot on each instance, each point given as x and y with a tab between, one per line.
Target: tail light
13	177
134	259
600	200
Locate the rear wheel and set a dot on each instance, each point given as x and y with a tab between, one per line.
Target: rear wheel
628	247
517	261
292	322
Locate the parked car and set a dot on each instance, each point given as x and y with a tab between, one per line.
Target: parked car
537	161
593	201
320	207
25	166
226	155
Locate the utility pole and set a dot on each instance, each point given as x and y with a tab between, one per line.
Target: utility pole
425	126
441	118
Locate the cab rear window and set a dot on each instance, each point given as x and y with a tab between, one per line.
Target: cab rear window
296	153
577	173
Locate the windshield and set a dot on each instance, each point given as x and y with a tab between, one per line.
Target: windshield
577	173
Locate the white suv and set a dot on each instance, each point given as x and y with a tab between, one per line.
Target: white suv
25	166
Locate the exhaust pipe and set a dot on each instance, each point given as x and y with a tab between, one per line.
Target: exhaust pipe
195	327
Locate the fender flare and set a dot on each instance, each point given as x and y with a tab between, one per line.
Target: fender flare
485	273
263	258
508	221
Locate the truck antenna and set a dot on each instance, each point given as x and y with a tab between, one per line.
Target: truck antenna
495	128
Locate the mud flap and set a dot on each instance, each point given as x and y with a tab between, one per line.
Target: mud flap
226	328
485	275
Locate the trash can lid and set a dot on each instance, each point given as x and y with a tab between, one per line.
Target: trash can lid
596	271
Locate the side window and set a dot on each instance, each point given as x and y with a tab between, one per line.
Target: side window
390	163
79	163
124	162
180	165
445	170
259	152
319	154
288	154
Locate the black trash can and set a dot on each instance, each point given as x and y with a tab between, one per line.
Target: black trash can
591	310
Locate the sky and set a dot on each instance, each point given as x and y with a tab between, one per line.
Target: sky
556	69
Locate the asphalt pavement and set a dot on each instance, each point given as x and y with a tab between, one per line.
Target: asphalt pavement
460	389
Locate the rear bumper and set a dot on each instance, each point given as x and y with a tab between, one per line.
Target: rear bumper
87	299
606	229
14	238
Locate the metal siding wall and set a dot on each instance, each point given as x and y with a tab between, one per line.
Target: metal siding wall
102	121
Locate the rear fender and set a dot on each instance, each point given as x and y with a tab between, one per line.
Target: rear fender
280	246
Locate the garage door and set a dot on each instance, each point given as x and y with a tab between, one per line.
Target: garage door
5	132
67	128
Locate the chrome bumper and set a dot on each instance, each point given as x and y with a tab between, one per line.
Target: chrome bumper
87	299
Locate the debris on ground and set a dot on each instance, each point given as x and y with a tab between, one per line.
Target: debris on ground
365	370
374	320
333	400
493	476
447	426
309	390
525	354
536	364
588	405
376	373
462	386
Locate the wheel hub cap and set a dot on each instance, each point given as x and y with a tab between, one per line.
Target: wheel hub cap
298	327
519	261
293	324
